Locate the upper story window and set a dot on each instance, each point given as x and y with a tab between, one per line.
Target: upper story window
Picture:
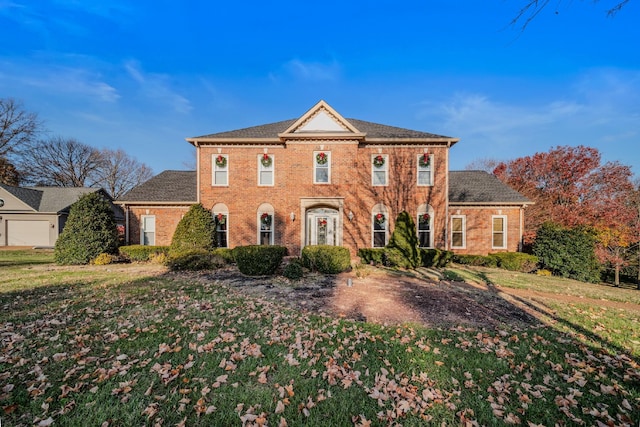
499	232
458	231
425	169
379	169
321	167
425	221
266	169
220	169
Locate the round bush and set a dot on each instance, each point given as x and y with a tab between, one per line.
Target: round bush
293	270
90	230
196	230
192	260
326	259
258	260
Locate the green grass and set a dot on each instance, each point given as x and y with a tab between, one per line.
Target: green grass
127	345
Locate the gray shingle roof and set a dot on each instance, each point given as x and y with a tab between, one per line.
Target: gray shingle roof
168	186
49	199
481	187
373	130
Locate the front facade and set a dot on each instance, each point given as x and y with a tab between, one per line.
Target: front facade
320	179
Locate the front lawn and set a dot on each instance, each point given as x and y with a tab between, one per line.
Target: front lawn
122	345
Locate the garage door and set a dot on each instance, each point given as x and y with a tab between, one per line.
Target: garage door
27	233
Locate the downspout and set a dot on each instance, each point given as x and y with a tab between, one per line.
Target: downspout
126	224
446	195
521	243
197	144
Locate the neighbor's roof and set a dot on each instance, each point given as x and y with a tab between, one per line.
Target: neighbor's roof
49	199
373	131
169	186
480	187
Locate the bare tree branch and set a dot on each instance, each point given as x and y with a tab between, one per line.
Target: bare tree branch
119	173
532	9
17	126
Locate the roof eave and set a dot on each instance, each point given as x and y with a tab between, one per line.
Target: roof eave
451	203
155	202
449	141
222	141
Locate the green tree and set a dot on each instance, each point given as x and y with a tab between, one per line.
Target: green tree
90	230
195	231
567	252
404	240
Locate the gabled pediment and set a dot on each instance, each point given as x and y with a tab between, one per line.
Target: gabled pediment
19	199
322	122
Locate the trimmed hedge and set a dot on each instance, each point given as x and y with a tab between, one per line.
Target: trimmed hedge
435	258
225	253
326	259
372	256
142	253
258	260
193	260
476	260
516	261
293	270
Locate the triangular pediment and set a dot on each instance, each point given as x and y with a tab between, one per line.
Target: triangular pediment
19	199
322	121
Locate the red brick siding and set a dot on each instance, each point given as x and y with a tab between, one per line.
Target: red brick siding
479	229
167	218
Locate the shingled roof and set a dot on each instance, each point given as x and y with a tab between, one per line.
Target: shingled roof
49	199
170	186
480	187
271	131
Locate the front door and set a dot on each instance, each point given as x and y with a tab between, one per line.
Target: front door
322	227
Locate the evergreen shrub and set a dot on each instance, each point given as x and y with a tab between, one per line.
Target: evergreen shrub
371	255
516	261
326	259
142	253
435	258
195	231
293	270
89	231
404	242
193	260
258	260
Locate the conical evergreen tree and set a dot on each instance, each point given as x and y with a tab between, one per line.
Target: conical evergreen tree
405	240
196	230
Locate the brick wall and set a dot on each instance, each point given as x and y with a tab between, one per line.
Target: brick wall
479	229
167	218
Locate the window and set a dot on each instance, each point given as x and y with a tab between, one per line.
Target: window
380	226
458	238
321	167
424	227
425	169
266	169
221	220
499	232
266	224
220	169
379	169
148	230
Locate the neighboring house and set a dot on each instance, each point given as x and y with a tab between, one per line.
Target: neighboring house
35	216
324	179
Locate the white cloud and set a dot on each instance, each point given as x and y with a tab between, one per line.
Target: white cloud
309	71
157	87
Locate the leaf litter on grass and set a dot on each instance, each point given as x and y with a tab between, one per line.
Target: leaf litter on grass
189	351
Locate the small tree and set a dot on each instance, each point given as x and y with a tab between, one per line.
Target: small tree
405	240
90	230
195	231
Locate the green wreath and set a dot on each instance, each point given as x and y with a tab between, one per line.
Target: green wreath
322	158
425	160
266	160
378	161
221	161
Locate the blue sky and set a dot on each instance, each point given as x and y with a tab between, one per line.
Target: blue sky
143	75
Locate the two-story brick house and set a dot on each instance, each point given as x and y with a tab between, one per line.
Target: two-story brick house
324	179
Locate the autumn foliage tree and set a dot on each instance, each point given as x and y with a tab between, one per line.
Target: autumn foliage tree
571	187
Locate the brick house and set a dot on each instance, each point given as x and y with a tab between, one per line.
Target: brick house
324	179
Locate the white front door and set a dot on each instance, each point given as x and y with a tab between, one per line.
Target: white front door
321	227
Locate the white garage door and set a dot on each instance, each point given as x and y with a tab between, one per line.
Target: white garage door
27	233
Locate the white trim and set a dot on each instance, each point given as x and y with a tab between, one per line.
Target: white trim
215	168
326	165
504	231
268	209
419	169
221	208
425	209
262	168
384	168
380	208
464	231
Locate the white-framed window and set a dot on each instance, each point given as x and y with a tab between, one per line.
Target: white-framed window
425	169
220	169
266	224
499	231
148	230
321	167
379	226
425	225
458	231
379	169
220	214
266	169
